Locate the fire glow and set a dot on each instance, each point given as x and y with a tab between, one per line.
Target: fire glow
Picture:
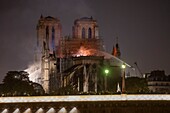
85	52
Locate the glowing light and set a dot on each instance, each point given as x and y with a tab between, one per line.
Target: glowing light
106	71
85	52
16	111
40	111
5	111
62	110
74	110
27	111
123	66
51	110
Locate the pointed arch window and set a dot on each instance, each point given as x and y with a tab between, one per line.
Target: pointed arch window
83	32
53	37
89	33
47	37
47	30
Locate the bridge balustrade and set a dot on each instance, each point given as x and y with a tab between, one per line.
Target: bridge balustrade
41	110
87	104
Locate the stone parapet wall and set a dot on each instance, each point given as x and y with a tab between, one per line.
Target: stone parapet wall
87	104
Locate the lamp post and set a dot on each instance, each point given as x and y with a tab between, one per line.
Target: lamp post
123	79
106	72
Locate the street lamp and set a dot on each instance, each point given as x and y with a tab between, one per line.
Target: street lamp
123	79
123	66
106	72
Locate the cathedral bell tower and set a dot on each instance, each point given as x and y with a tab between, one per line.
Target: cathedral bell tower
48	43
85	28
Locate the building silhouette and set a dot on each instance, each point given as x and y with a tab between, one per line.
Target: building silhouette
158	82
76	61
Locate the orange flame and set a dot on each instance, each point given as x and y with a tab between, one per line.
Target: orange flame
85	52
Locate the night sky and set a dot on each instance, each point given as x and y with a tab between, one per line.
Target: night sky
142	28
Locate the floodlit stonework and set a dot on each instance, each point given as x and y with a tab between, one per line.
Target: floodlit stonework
48	43
87	104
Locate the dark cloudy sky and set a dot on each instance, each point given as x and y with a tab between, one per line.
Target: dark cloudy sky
143	28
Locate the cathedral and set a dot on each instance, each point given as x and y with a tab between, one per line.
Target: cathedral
75	62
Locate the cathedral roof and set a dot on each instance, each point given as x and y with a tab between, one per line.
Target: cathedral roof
85	19
49	18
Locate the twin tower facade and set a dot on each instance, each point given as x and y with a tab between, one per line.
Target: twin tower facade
52	47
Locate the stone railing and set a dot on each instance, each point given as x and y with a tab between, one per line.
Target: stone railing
86	104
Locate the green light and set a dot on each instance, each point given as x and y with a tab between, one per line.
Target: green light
123	66
106	71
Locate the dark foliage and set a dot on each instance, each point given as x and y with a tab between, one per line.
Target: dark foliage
16	83
136	85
